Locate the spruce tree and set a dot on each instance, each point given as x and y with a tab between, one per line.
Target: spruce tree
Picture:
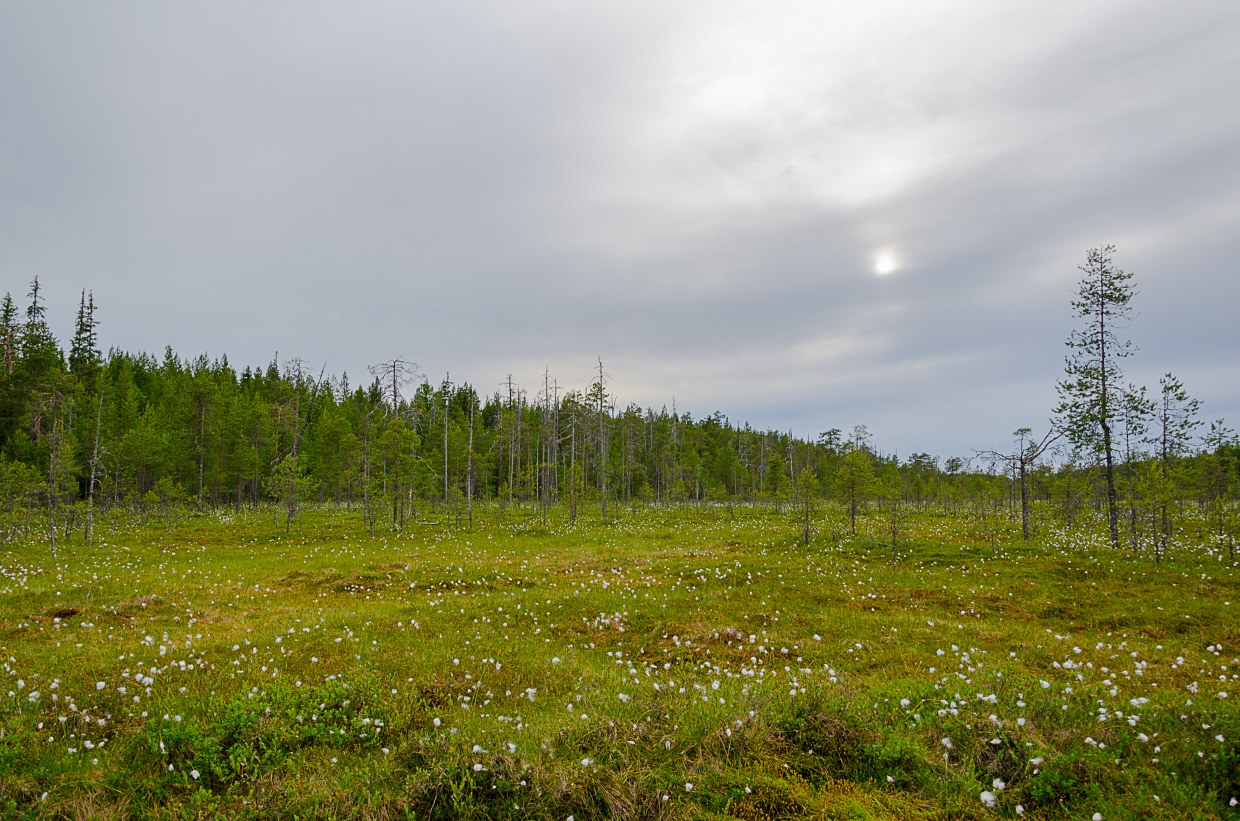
84	357
10	337
10	333
40	357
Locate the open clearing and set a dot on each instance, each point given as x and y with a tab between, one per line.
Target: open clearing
663	665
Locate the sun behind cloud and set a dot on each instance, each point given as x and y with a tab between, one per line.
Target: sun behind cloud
884	264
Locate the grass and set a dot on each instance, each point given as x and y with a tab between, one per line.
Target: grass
660	665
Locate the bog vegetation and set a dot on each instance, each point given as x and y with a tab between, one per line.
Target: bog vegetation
661	663
272	594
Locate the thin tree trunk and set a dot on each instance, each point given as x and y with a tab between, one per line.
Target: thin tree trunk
1024	500
51	489
445	445
202	448
469	468
94	467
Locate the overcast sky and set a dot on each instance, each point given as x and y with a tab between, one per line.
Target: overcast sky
700	193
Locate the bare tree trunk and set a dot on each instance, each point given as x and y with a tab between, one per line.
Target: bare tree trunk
572	472
367	513
52	463
517	443
202	448
602	441
512	440
445	442
1112	495
94	468
1024	500
469	468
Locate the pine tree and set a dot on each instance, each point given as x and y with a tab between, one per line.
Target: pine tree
1091	397
855	482
1218	476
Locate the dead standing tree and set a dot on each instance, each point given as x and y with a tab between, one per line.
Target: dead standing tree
1028	451
95	463
393	375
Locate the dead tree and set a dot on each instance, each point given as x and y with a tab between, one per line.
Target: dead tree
394	375
1028	451
94	473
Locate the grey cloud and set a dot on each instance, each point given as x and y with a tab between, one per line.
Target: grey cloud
694	192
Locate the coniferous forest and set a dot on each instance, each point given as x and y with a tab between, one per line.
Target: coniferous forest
84	432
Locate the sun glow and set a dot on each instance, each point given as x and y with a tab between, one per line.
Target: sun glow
884	264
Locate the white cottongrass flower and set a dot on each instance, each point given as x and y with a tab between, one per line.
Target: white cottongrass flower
988	798
947	742
688	786
194	774
99	685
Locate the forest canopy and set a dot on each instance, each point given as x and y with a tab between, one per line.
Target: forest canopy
85	430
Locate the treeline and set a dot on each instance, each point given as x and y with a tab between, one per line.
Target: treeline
87	431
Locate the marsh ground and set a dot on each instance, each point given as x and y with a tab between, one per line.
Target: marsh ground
665	664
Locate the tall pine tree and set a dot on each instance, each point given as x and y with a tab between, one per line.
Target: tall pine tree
1091	395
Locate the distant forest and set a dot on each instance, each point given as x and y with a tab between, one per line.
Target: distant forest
89	432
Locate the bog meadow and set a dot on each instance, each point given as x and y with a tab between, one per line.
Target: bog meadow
270	594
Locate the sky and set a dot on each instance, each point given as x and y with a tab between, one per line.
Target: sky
804	215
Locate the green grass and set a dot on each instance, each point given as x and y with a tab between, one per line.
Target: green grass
661	665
